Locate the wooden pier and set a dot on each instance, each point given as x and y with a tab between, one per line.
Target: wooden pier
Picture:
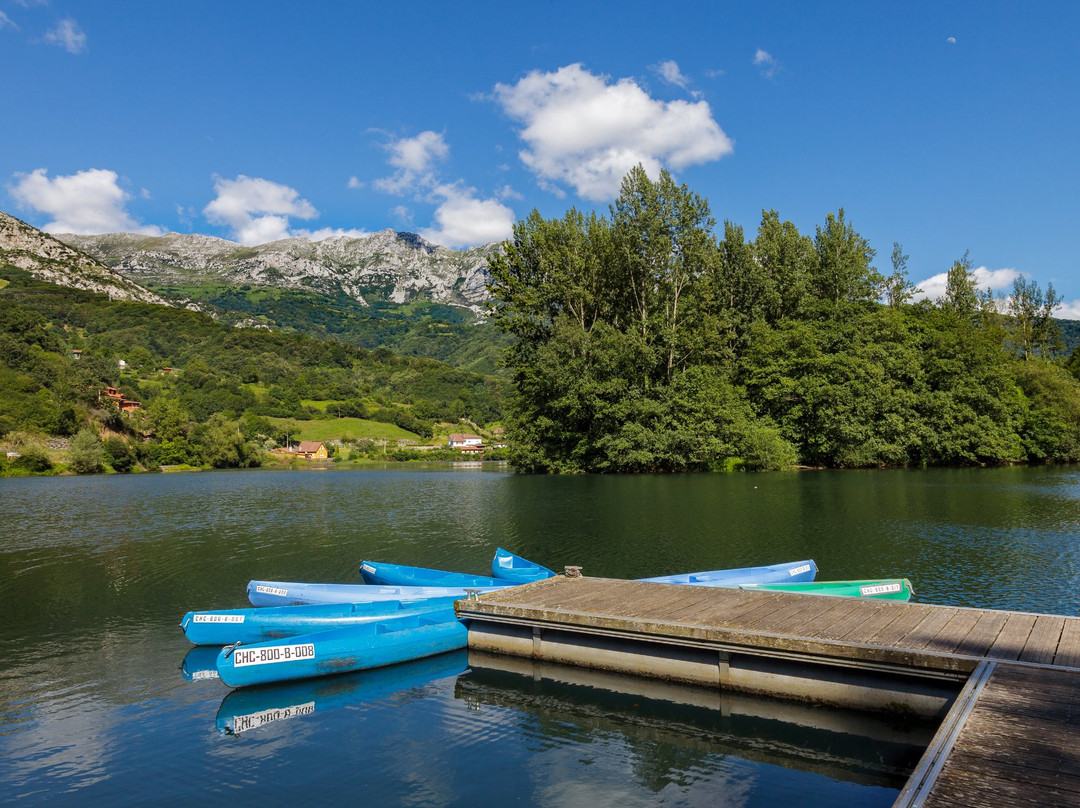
1006	685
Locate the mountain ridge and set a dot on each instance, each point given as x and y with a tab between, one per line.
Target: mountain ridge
386	266
50	259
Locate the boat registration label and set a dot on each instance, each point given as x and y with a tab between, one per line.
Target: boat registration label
242	723
218	618
879	589
272	654
367	568
799	570
271	590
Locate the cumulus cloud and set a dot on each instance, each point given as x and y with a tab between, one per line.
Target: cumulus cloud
463	220
256	210
587	133
669	71
415	159
86	202
933	288
324	233
764	61
1069	310
67	35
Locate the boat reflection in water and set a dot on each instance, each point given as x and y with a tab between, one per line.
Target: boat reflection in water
200	663
868	749
252	707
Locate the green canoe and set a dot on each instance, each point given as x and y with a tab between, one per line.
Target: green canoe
882	588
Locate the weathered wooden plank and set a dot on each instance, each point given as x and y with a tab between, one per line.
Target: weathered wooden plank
787	612
966	783
1068	652
1013	636
979	640
923	632
1042	643
911	614
885	613
953	632
762	603
850	621
828	614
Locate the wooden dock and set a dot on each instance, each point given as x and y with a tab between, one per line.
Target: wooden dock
1006	684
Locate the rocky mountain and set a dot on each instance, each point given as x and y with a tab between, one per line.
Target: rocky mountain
49	259
387	266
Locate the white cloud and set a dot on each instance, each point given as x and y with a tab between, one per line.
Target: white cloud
951	40
354	183
86	202
996	280
329	232
1069	310
669	71
257	210
587	133
415	159
6	21
68	36
462	220
764	61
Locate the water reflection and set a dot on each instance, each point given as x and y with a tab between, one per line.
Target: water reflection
253	707
674	730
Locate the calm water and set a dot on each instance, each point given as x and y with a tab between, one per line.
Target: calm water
101	702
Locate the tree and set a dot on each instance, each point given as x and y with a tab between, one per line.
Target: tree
961	291
86	452
898	288
844	271
1032	326
787	260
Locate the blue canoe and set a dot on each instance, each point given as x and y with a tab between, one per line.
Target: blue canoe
792	572
376	572
252	707
509	567
371	645
229	626
292	593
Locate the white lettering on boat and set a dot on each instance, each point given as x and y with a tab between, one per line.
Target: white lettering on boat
879	589
271	654
198	676
799	570
242	723
218	618
271	590
367	568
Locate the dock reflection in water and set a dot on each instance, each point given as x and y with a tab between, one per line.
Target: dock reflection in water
861	748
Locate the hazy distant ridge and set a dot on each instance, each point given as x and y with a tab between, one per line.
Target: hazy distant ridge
390	266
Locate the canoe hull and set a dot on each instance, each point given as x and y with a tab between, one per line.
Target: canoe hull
372	645
377	572
292	593
878	588
509	567
792	572
229	626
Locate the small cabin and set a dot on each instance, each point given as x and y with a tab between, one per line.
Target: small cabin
313	450
462	441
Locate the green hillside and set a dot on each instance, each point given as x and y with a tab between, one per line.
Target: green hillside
208	394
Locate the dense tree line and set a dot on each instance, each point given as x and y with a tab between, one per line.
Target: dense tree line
214	409
644	342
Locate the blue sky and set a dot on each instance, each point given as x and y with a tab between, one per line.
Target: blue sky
943	126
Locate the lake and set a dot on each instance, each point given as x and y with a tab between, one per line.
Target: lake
101	702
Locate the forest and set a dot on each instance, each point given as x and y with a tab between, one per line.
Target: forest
645	342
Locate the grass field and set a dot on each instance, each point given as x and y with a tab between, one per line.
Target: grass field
344	428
